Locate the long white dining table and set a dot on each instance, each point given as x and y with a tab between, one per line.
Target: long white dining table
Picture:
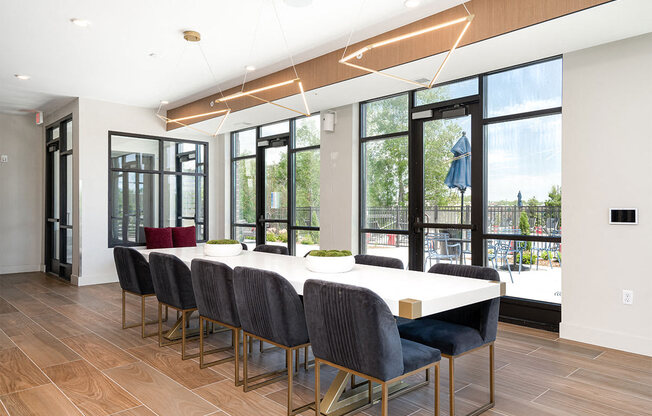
409	294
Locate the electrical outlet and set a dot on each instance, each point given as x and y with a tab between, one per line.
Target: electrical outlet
4	158
628	297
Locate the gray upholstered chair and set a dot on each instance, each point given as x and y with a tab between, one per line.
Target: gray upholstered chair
135	279
212	284
380	261
272	248
173	286
270	310
460	330
352	329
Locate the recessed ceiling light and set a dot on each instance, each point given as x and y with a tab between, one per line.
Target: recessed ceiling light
250	68
411	3
163	102
80	22
22	77
298	3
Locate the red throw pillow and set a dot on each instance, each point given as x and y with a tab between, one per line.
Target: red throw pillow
158	237
184	236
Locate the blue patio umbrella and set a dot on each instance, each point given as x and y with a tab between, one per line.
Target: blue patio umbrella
459	174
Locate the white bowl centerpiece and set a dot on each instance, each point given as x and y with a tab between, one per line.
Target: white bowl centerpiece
222	248
330	261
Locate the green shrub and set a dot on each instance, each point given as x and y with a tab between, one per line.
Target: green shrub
222	242
307	241
528	257
330	253
282	236
271	237
524	226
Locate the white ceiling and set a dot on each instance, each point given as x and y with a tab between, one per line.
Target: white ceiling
110	61
606	23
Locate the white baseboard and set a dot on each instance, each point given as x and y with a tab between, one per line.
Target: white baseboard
86	280
609	339
20	268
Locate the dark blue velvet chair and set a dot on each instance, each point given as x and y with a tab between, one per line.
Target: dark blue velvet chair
272	248
462	330
135	279
353	330
380	261
173	286
270	310
212	284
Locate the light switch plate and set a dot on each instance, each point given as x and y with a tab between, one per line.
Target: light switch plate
4	158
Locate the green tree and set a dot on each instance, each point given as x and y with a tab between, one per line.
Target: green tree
524	226
554	204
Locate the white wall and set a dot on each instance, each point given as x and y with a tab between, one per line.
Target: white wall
607	150
21	194
339	165
96	119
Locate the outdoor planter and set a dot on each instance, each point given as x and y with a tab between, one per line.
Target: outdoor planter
222	248
330	261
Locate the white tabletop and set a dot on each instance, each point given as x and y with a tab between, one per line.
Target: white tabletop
434	292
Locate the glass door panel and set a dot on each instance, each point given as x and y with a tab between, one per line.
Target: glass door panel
273	208
444	201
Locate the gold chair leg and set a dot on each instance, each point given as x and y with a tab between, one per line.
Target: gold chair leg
305	359
246	346
201	341
160	325
492	378
451	385
436	389
288	354
183	335
236	348
384	404
317	389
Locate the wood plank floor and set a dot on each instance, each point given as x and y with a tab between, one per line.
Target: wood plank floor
63	352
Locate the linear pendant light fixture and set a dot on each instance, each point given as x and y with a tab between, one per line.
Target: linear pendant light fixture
192	36
346	60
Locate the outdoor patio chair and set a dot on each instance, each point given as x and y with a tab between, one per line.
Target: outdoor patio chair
439	248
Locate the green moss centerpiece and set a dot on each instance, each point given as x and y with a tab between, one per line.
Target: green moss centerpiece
330	261
222	248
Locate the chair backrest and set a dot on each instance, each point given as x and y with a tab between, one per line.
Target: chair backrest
212	284
353	327
172	281
272	248
133	271
380	261
482	316
244	246
269	307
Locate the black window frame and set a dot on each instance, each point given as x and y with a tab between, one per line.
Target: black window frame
258	156
529	312
162	174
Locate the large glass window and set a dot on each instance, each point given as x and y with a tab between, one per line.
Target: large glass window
155	182
498	133
523	175
384	177
243	176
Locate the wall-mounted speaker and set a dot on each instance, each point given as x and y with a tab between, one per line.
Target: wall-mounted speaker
328	121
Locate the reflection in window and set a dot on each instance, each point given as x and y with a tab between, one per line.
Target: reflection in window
524	176
307	188
386	183
385	116
530	88
244	143
245	191
135	191
447	92
307	131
